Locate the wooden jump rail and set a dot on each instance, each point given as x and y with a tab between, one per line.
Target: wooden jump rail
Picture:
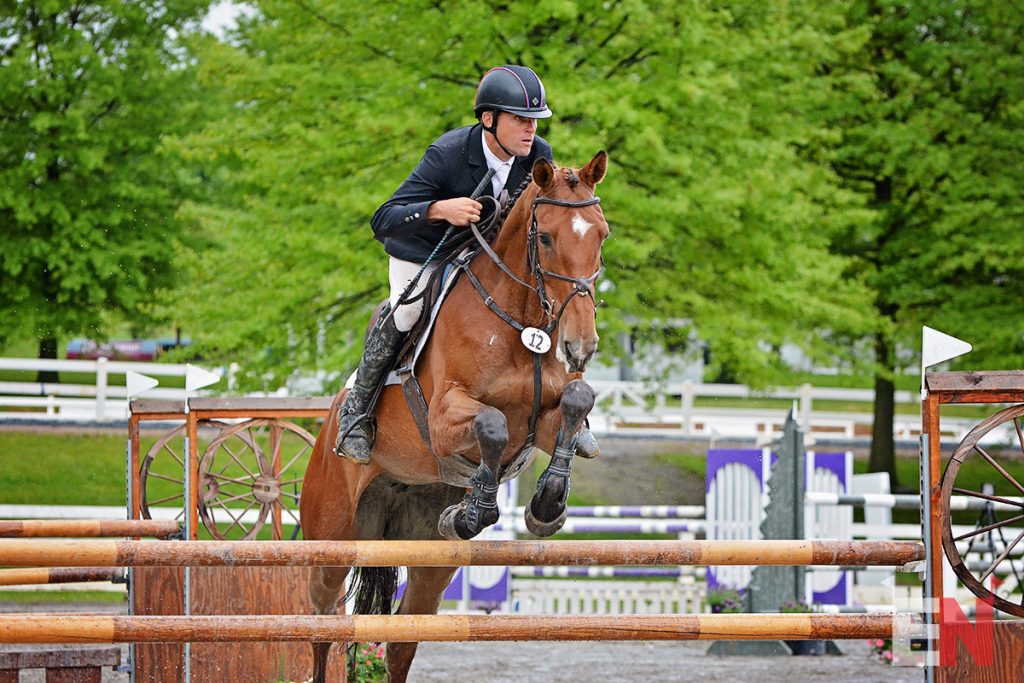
110	553
88	528
46	575
64	628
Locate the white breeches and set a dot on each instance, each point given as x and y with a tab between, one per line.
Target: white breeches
400	274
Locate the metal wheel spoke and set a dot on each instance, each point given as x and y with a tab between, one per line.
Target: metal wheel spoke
990	527
291	481
177	496
292	515
235	521
994	499
239	462
1002	556
231	499
295	459
293	496
1020	434
164	477
231	480
174	455
999	468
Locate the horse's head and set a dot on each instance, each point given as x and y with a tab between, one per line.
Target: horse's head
566	252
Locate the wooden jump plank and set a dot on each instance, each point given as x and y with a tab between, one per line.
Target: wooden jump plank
110	553
87	528
61	628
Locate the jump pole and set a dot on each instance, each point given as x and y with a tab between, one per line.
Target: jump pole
88	528
46	575
119	553
68	628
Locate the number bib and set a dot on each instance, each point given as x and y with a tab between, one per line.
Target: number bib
536	340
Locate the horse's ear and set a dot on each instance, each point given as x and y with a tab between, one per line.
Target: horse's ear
594	171
543	173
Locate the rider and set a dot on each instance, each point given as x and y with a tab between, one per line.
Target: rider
436	195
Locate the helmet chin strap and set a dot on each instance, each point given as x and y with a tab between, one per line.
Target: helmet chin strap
493	130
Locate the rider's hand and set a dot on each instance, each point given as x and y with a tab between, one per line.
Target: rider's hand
460	211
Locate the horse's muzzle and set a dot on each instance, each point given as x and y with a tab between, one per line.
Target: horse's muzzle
577	353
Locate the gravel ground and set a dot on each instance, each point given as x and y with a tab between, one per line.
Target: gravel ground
616	661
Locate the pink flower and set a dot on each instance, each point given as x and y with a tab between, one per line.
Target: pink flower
888	655
879	643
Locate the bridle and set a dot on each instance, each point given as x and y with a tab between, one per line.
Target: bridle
581	286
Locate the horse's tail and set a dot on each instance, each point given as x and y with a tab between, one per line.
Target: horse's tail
373	588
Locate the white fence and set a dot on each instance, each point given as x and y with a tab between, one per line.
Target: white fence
96	402
628	407
669	409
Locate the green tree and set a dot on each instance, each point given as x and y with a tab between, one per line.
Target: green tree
87	195
935	144
721	213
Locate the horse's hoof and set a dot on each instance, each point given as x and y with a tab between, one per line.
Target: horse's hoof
586	444
447	524
544	529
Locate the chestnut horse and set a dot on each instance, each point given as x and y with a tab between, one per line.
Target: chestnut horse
485	391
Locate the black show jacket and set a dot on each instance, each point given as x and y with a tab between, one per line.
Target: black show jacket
451	167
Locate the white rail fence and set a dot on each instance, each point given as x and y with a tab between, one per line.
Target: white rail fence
670	409
99	401
667	409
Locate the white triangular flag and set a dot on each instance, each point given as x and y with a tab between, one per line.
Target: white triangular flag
937	347
197	378
137	383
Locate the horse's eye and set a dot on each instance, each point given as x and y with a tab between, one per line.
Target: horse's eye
545	239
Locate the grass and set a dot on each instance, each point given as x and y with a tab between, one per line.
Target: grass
61	597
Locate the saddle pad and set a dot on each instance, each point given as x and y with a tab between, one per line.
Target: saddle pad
451	275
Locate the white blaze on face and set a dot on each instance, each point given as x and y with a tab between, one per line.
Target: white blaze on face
579	225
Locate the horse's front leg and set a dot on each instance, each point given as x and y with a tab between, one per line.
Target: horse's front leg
464	418
546	512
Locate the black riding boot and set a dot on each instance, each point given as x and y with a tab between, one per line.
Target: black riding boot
355	416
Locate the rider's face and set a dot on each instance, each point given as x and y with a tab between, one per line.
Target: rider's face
516	133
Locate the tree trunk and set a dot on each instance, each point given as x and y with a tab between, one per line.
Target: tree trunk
883	451
48	351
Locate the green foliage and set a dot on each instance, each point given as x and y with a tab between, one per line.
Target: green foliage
935	145
87	195
718	220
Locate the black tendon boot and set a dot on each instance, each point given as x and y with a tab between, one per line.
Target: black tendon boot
355	416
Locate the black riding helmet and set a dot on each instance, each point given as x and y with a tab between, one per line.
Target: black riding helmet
515	89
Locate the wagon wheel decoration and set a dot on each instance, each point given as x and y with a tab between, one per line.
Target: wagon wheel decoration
1003	508
251	474
162	471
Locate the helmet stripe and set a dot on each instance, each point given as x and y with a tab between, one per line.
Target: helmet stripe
526	94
